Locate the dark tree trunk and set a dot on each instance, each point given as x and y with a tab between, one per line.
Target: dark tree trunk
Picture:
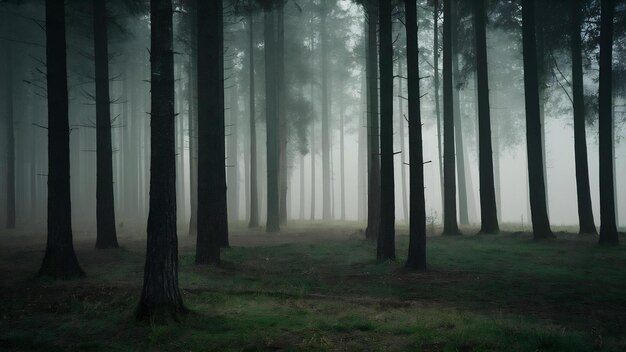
232	171
282	117
373	149
326	164
585	213
301	217
60	259
254	190
313	176
160	297
106	236
417	221
539	214
10	138
272	123
450	225
386	234
212	217
488	208
342	162
193	119
608	227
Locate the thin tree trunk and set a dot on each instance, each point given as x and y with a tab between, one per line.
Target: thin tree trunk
488	208
542	73
273	143
60	259
106	236
539	214
608	227
313	176
417	222
362	142
342	161
401	122
254	190
450	226
282	117
10	138
386	233
233	155
301	217
326	164
373	150
212	219
437	98
585	213
160	296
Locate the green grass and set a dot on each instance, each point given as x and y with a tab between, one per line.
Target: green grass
481	293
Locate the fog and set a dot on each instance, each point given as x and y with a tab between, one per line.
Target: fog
23	99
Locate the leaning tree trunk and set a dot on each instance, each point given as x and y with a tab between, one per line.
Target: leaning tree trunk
417	222
254	190
160	296
450	226
373	150
60	259
106	236
488	208
538	208
212	221
585	213
271	106
10	138
386	233
608	227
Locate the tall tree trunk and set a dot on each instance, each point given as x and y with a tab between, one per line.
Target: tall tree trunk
450	226
301	217
193	116
212	217
342	162
362	161
10	138
386	234
401	122
608	227
313	176
160	296
326	164
538	208
417	222
458	123
542	73
272	123
437	98
254	190
373	149
233	154
60	259
585	213
282	117
106	236
488	209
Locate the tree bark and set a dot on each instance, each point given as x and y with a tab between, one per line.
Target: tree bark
160	296
488	208
373	149
254	190
417	221
272	123
538	208
60	259
212	217
608	226
450	225
386	233
585	213
10	138
326	164
436	82
106	236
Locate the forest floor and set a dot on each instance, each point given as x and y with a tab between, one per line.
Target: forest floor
317	287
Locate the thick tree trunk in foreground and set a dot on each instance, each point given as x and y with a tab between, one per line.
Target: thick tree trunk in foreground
585	213
105	212
373	149
417	221
254	190
538	208
160	296
608	227
488	208
271	106
212	220
450	225
60	259
10	138
386	233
